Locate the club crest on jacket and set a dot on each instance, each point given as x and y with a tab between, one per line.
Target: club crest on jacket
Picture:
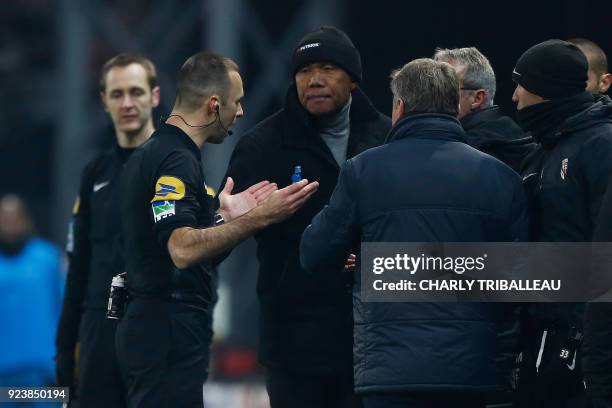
564	168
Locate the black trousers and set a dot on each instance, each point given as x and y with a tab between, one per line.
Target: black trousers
423	400
99	384
553	385
163	349
297	390
500	399
600	402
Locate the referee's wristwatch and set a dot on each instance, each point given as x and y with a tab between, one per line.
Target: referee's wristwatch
218	219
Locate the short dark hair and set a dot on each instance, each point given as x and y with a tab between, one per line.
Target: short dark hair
123	60
202	75
595	55
426	85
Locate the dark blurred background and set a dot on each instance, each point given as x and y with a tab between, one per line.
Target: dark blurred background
52	123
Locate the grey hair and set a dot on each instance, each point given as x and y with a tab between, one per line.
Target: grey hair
478	70
426	85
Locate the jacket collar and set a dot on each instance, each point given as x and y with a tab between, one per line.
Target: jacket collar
122	153
427	126
478	117
489	127
166	129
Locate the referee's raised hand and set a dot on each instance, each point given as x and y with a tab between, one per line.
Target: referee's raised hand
235	205
283	203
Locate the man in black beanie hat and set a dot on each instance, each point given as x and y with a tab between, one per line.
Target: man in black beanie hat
306	321
566	178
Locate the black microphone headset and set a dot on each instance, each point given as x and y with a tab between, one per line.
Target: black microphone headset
229	132
218	118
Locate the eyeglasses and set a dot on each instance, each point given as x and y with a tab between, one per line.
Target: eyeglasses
469	89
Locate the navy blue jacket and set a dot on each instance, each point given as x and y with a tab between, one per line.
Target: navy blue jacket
425	185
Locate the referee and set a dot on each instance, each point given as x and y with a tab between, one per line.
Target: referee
172	233
129	93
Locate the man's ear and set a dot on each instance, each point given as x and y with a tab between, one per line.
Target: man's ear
353	86
397	109
155	95
401	107
103	100
604	83
479	99
212	105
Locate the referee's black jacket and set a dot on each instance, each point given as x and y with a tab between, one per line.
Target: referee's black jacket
163	188
93	246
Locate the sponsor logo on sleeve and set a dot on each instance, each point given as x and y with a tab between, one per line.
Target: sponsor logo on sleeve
209	190
169	189
163	209
70	238
76	206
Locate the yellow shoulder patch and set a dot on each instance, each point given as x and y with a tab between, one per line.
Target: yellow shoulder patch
169	189
76	206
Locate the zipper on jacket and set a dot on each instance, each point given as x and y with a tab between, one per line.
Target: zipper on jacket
542	167
542	344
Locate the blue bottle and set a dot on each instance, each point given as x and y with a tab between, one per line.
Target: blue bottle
297	174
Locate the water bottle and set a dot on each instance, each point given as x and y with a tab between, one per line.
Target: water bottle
117	299
297	174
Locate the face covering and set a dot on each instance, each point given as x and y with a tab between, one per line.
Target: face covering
543	120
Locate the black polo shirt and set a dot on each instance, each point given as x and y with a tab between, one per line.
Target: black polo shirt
163	188
94	243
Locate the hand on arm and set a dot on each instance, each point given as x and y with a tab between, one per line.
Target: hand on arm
349	265
188	246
